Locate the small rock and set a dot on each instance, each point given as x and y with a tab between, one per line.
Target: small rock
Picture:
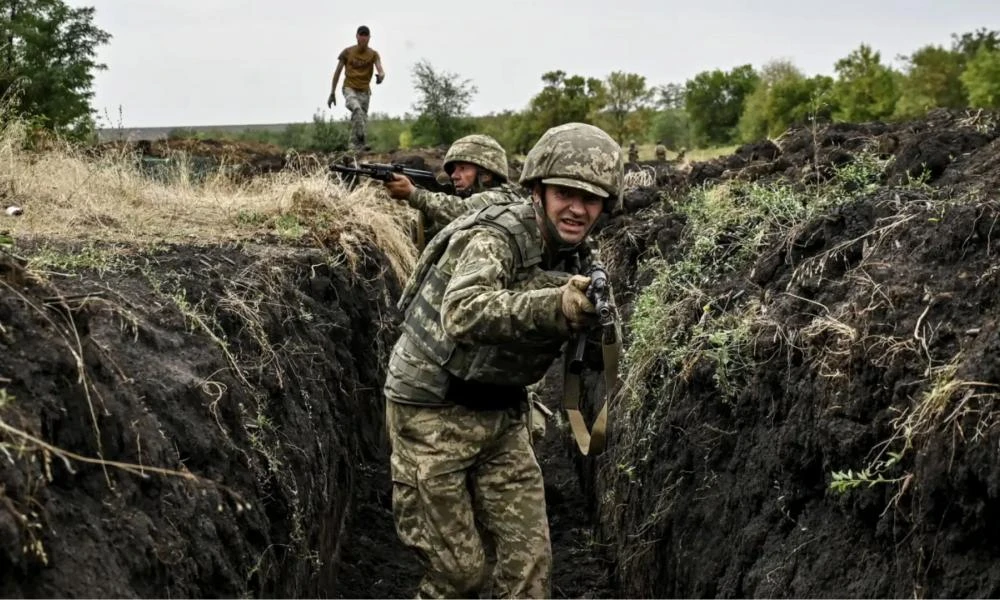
14	211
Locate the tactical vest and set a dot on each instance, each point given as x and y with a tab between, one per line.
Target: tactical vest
500	194
517	363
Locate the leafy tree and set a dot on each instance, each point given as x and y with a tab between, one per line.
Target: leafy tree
671	125
669	96
797	101
969	44
564	99
626	95
865	89
784	97
672	128
757	119
982	78
442	105
48	56
931	80
714	101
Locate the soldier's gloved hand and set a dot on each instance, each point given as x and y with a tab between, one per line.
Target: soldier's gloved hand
331	100
399	187
576	307
379	79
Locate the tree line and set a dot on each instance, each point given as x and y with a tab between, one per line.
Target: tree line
744	103
47	67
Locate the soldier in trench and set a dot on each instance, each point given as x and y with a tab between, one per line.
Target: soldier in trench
475	164
492	301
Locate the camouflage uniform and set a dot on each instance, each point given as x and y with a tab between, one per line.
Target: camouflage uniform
483	319
357	102
633	152
439	208
661	152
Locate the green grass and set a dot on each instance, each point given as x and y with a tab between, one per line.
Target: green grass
729	226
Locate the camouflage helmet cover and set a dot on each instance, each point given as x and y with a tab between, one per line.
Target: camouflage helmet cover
577	155
480	150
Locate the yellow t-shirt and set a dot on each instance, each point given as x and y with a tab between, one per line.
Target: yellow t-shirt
359	65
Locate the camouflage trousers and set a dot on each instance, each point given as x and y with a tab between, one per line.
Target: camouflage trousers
356	101
455	472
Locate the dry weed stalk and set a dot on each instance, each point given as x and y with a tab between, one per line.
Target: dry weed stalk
871	241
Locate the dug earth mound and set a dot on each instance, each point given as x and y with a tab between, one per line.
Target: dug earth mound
812	383
228	400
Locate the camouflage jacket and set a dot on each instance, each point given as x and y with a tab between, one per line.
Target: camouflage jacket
440	208
482	306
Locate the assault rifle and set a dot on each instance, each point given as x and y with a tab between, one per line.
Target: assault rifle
598	294
385	172
592	441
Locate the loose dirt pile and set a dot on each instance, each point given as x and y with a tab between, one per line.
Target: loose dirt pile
811	407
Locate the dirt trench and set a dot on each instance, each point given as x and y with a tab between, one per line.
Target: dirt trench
251	373
250	376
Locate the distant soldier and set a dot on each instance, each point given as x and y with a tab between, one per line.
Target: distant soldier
633	152
360	61
661	152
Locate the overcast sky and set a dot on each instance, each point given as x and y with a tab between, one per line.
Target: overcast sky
215	62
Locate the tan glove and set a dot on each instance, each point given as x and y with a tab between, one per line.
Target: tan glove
576	307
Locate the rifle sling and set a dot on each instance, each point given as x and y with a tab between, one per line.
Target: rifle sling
592	442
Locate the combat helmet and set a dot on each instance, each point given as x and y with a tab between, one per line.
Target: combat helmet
480	150
580	156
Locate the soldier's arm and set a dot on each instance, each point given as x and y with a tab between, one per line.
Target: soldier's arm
378	67
478	307
438	207
341	60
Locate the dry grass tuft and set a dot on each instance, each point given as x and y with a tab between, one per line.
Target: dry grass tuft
69	196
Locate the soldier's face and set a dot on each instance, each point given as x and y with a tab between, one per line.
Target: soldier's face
363	40
572	211
463	176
